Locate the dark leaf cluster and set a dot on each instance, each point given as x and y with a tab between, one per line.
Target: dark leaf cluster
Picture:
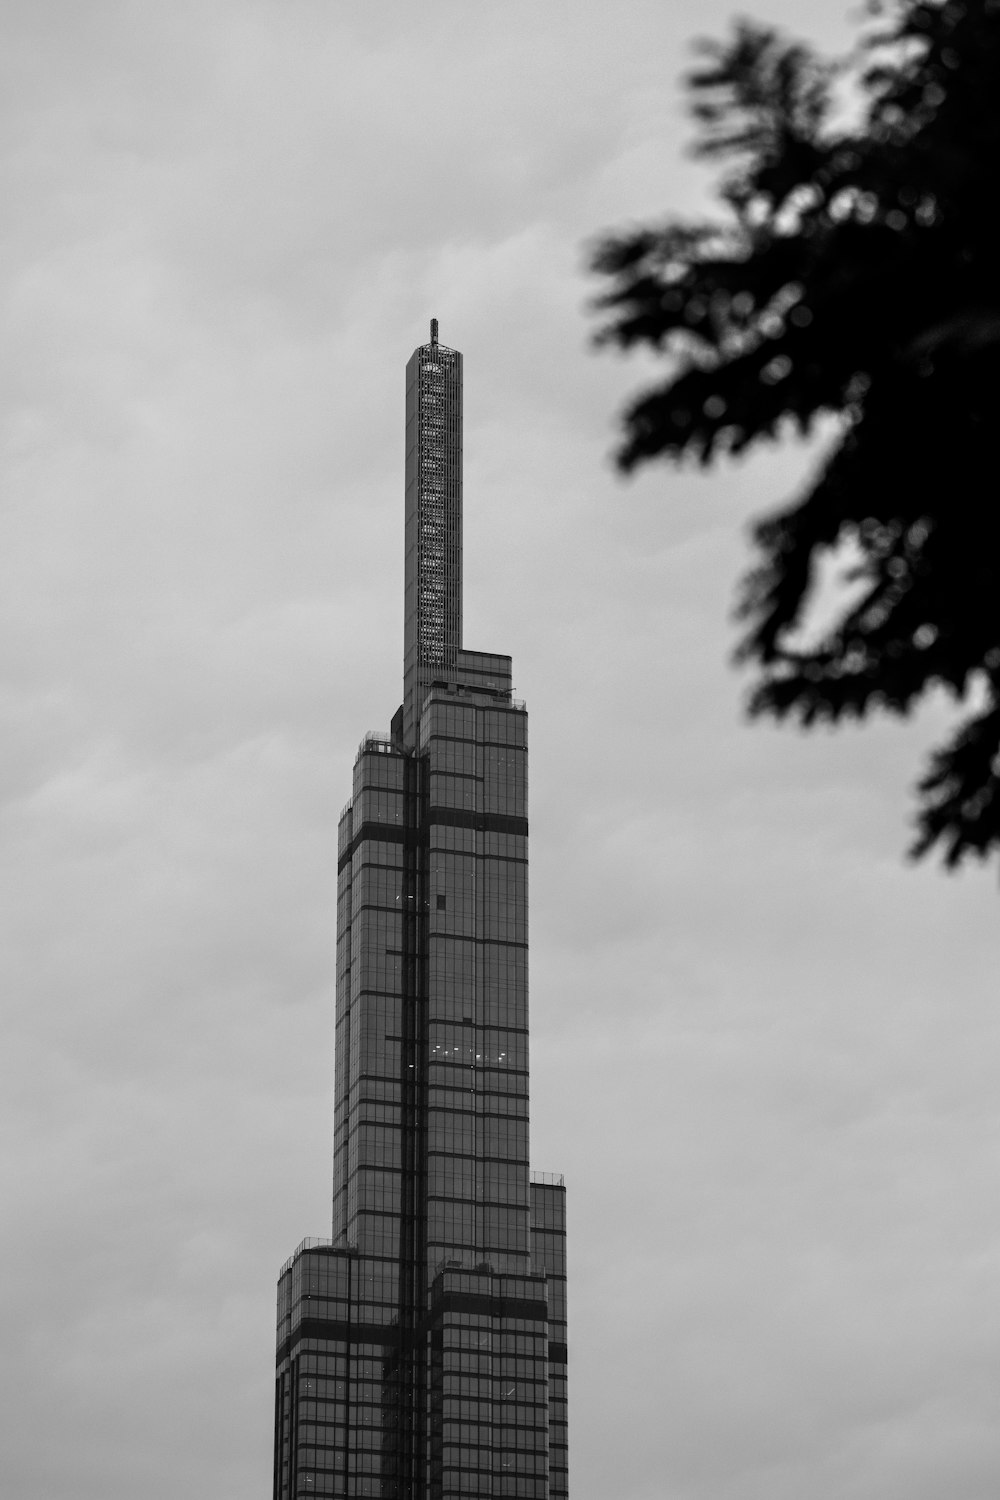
855	273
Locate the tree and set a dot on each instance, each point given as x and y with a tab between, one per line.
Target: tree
855	271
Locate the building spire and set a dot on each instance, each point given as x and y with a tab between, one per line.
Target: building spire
432	632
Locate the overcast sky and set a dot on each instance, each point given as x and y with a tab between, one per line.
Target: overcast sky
765	1049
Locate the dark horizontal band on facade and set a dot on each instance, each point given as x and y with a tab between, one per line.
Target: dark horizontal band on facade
470	1113
493	1307
450	937
372	992
474	1094
449	1081
438	1155
337	1330
448	817
385	833
463	739
374	864
458	817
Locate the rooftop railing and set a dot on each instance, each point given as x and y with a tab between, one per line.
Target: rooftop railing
309	1243
548	1179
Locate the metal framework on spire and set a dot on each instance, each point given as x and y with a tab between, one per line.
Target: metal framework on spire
432	634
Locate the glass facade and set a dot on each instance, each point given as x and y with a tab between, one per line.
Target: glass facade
422	1350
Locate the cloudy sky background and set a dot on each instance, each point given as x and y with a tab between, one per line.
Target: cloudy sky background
765	1050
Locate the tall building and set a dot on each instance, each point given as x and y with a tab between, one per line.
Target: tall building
422	1349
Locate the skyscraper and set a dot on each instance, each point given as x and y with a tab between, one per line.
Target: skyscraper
422	1349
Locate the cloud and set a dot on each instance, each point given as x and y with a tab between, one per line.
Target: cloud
762	1046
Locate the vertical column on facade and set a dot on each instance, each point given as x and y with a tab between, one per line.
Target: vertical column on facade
477	1022
369	1177
548	1255
489	1415
342	1049
405	1376
373	1156
282	1435
502	987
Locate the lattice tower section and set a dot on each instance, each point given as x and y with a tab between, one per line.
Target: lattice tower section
439	543
433	623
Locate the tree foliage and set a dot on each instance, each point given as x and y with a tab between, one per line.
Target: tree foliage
854	271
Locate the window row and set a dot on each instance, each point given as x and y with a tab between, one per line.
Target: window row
481	1135
365	1111
369	1463
488	1045
374	769
312	1363
487	1460
316	1390
487	1103
376	852
525	1413
482	843
340	1310
504	1183
471	721
451	1223
376	885
523	1439
380	1231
